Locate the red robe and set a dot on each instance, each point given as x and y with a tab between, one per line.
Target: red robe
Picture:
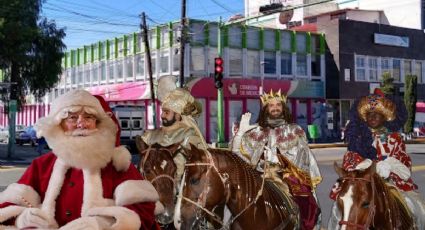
70	199
392	146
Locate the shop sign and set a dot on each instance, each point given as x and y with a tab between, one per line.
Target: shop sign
129	91
391	40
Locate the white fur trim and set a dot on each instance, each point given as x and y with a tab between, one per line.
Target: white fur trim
9	212
121	158
20	194
124	217
135	191
93	191
159	208
53	189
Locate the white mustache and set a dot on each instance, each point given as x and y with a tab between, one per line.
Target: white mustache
81	132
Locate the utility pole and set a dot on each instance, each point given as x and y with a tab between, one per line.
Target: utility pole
11	115
182	42
144	29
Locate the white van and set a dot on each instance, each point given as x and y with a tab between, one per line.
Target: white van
132	122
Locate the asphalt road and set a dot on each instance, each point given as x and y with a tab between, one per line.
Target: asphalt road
325	158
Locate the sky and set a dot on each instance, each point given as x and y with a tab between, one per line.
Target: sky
89	21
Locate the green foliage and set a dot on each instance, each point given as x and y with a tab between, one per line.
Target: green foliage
31	48
387	84
410	98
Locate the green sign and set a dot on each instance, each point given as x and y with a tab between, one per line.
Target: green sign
313	131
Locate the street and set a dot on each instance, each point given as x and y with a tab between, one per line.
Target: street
325	158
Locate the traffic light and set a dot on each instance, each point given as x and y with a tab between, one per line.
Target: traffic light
218	72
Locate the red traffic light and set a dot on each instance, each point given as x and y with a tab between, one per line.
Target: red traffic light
218	65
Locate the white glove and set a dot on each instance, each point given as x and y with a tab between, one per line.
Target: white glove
34	218
244	124
89	223
383	168
364	164
237	139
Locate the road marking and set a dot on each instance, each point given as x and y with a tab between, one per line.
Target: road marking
11	168
418	168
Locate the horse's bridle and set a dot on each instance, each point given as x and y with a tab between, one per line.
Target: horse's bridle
142	166
200	204
372	207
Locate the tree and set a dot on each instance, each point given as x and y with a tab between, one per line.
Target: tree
387	84
410	98
31	48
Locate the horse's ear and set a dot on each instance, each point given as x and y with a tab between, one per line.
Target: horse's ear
339	170
140	144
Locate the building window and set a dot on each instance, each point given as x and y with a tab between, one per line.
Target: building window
129	67
373	69
397	70
270	62
79	75
301	43
301	64
360	68
197	31
140	65
176	60
111	71
315	65
235	36
253	62
163	61
285	41
269	40
235	61
253	106
419	70
407	67
165	36
212	53
87	71
197	59
312	20
235	113
385	66
213	34
120	69
340	16
254	38
286	63
95	71
103	71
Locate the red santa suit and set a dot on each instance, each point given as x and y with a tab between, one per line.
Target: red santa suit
70	196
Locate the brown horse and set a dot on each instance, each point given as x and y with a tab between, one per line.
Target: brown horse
157	166
365	201
216	177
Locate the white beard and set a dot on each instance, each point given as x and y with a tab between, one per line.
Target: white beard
92	151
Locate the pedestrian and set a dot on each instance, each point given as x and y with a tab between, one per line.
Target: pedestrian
87	181
260	145
373	136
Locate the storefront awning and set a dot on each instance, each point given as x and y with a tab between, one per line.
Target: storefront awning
249	88
129	91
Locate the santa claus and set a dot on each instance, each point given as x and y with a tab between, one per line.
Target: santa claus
86	182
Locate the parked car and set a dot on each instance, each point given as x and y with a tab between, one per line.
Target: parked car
26	136
4	133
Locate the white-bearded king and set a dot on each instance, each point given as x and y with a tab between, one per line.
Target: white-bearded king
87	181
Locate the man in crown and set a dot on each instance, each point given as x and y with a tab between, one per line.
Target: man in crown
280	149
373	136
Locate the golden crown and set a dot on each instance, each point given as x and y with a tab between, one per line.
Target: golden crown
267	97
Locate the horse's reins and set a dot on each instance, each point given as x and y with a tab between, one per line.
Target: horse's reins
223	179
372	207
147	153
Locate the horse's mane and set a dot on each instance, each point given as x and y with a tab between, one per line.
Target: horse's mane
271	192
399	216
